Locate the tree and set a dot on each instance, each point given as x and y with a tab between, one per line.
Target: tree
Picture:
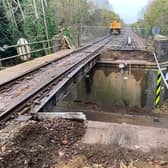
38	20
156	14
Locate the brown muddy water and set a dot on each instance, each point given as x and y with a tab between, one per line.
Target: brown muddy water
112	95
107	87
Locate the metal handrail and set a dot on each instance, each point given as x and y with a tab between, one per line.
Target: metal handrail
35	51
31	43
35	42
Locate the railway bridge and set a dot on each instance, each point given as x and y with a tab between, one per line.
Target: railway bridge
29	92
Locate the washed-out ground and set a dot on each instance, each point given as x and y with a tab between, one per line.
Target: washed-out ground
114	55
57	144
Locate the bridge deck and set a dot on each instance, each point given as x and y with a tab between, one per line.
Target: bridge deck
30	91
15	71
50	77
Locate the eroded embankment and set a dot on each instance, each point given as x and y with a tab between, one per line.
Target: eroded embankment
127	55
55	144
38	144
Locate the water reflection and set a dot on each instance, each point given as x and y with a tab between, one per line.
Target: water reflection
107	87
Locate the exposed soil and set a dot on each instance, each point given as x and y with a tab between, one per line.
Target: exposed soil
127	55
37	143
105	156
55	144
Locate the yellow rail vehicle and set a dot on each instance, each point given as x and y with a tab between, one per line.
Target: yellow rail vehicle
115	27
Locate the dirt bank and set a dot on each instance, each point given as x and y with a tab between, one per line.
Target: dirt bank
38	144
127	55
55	144
105	156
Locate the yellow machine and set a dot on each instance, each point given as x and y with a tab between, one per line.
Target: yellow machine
115	26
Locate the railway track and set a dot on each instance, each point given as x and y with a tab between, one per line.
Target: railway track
120	42
28	92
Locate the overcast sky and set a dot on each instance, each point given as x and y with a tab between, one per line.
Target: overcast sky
129	10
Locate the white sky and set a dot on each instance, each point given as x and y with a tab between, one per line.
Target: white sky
129	10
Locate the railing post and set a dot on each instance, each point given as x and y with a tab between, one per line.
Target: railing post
23	49
56	44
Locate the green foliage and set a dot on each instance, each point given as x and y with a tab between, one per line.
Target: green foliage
68	34
14	33
81	12
102	17
4	24
51	22
156	14
7	32
39	29
27	20
28	28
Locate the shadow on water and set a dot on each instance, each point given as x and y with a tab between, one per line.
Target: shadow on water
112	95
111	90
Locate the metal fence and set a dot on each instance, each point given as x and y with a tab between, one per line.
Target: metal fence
82	35
30	50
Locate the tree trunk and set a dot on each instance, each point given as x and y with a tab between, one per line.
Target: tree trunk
21	10
45	23
35	9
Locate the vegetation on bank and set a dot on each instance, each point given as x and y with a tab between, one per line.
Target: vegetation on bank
156	14
38	20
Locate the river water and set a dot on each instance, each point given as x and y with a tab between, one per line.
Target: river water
105	88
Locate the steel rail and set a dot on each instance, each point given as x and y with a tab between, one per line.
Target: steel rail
33	70
56	89
30	43
26	100
35	51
